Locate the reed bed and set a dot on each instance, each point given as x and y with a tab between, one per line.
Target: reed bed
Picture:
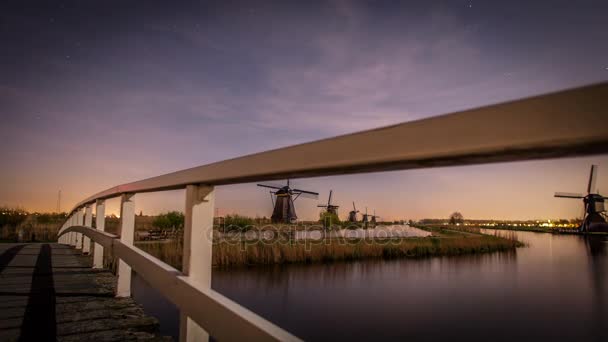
244	253
169	251
331	250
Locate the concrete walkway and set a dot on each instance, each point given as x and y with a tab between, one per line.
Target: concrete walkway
49	292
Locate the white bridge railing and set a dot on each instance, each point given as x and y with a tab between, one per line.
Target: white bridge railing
567	123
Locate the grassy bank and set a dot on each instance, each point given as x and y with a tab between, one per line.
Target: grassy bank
446	242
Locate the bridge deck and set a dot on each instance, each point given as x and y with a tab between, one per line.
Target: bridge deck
50	292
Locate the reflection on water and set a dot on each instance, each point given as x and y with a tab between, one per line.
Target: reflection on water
157	306
554	289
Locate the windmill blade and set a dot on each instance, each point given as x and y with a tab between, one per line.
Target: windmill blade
354	209
568	195
329	200
270	186
592	177
322	206
307	194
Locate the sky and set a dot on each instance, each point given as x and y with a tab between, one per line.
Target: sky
98	93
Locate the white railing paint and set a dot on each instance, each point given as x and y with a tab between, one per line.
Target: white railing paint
127	231
79	222
100	224
197	254
88	222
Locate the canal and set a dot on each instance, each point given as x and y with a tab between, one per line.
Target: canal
555	288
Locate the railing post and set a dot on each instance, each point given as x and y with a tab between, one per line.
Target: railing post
79	219
100	224
88	222
60	239
73	234
127	230
198	241
64	237
68	237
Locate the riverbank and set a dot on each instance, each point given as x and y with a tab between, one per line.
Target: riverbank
443	242
544	230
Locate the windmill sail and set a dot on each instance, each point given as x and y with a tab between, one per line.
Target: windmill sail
568	195
592	177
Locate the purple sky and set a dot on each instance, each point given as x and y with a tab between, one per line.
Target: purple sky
98	93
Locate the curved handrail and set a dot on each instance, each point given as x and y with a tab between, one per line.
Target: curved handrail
220	316
565	123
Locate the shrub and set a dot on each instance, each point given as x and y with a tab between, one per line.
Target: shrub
170	220
328	219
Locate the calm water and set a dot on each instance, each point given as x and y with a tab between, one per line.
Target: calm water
555	289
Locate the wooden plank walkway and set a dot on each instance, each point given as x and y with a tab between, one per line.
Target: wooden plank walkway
49	292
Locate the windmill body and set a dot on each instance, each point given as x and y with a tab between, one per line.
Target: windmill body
352	215
594	220
284	209
283	198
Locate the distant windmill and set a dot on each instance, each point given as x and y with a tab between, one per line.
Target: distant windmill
373	218
284	209
365	219
330	208
330	211
352	216
593	219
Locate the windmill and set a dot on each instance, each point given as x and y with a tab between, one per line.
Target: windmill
330	208
284	209
330	211
365	219
352	216
373	218
593	219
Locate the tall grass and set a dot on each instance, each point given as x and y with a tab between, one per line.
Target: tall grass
169	251
330	250
243	253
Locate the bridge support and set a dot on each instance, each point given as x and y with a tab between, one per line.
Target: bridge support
127	231
88	222
100	224
198	241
